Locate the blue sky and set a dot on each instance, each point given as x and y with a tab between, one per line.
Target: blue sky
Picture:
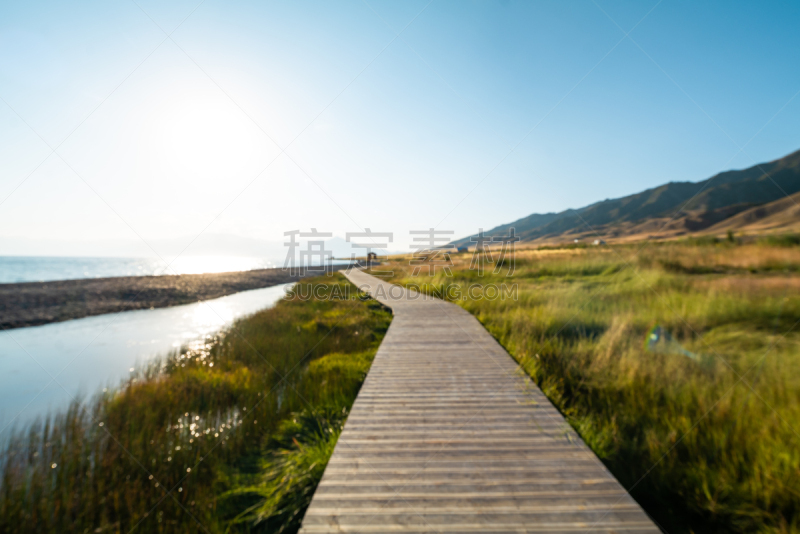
252	119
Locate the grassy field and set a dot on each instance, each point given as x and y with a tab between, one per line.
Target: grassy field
230	438
709	443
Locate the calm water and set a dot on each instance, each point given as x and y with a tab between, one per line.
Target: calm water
87	354
15	269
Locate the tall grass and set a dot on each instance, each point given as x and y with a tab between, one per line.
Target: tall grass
704	447
781	240
204	440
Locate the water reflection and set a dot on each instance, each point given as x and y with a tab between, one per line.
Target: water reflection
15	269
86	354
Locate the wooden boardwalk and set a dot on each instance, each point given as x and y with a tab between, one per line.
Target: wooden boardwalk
448	436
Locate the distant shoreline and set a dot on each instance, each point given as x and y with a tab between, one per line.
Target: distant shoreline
39	303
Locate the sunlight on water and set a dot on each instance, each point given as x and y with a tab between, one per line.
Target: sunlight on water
216	264
86	354
16	269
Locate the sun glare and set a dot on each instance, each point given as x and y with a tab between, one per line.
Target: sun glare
216	264
203	134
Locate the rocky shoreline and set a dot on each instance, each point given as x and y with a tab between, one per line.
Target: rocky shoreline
38	303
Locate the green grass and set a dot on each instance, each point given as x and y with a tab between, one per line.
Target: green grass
784	240
708	446
232	437
299	452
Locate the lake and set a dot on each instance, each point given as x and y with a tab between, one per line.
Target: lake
16	269
85	355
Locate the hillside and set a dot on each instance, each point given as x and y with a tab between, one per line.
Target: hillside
740	198
779	214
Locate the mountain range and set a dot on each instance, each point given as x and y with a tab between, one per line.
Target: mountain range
764	197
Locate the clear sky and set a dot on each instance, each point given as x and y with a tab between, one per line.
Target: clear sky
255	118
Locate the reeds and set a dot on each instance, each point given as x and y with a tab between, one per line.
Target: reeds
168	450
704	448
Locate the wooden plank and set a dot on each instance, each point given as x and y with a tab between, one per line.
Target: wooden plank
447	435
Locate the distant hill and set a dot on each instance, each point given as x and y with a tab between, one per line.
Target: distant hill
778	214
739	199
